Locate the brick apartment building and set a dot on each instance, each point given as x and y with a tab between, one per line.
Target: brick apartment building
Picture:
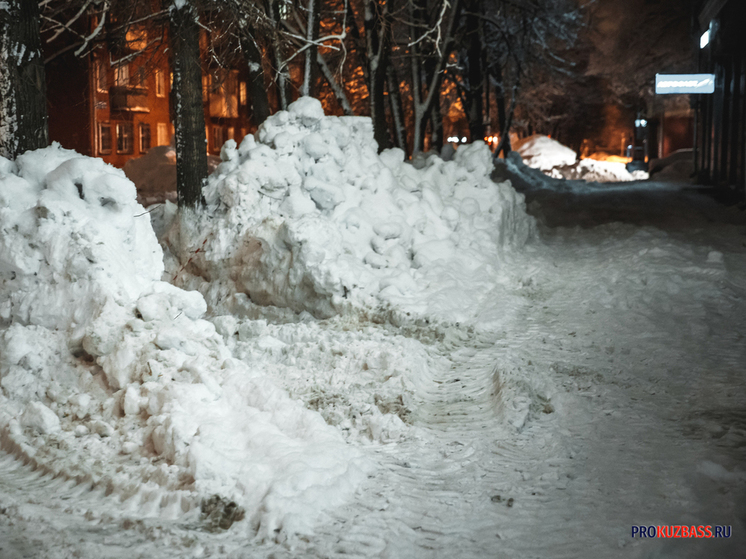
116	104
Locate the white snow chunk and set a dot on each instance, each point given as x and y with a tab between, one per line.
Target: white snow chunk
542	152
39	417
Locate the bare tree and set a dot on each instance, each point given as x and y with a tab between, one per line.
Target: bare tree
432	33
189	116
23	105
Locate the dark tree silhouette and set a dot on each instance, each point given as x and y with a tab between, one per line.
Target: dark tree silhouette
23	106
189	116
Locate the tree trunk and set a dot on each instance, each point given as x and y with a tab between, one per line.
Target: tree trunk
473	94
310	70
257	90
23	100
506	121
189	116
436	126
377	47
397	111
282	77
428	98
338	90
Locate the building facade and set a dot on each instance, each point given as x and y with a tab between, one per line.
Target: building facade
720	148
116	103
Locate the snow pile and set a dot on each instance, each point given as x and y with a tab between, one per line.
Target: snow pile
591	170
678	166
308	216
543	153
560	162
111	377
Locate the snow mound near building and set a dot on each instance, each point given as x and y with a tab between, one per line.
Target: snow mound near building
591	170
560	162
110	376
543	153
309	216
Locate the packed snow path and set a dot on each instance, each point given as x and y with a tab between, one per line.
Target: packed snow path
604	389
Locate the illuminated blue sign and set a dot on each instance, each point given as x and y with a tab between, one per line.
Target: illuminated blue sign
684	83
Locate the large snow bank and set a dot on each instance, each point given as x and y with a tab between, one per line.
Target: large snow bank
110	376
308	216
543	153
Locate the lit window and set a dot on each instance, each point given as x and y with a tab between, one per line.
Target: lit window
205	87
104	138
122	75
223	94
102	83
162	134
231	133
136	38
232	85
124	137
144	137
141	77
242	93
217	138
160	83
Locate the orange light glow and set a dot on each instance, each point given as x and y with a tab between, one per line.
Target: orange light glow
606	157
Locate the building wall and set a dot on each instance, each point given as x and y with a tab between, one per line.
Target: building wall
117	106
68	103
721	117
131	109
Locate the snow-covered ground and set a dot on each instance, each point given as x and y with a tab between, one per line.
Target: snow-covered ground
589	378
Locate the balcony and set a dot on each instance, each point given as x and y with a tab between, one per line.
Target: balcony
129	98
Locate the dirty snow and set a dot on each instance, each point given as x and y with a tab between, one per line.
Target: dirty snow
104	363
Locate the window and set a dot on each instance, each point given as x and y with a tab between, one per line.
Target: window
217	138
122	75
232	83
205	87
144	137
160	83
161	131
231	133
102	82
124	137
141	77
223	90
104	138
136	38
242	93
